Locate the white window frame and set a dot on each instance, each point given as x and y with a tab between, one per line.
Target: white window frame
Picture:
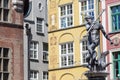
2	13
45	77
81	13
45	56
45	52
66	16
37	31
34	50
5	67
66	55
83	52
32	76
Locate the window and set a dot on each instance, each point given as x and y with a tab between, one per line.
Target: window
84	49
34	50
66	54
66	16
33	75
45	52
4	63
39	25
87	8
116	63
4	10
115	18
45	75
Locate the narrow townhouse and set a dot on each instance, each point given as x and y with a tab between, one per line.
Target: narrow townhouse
36	40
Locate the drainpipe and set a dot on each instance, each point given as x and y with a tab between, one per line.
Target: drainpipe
29	37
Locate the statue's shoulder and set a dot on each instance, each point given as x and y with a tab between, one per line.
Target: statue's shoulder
97	23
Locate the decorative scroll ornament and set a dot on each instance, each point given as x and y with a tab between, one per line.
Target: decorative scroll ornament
116	41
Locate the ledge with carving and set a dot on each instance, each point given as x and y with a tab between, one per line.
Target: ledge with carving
115	37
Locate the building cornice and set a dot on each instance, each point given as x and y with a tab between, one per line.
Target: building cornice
7	24
28	20
78	26
64	68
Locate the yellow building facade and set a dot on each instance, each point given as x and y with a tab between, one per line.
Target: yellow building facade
67	38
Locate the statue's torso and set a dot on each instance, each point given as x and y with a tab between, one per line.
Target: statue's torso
95	33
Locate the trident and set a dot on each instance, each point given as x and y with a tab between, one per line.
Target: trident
95	21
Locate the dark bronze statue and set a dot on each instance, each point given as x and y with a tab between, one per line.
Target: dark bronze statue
94	29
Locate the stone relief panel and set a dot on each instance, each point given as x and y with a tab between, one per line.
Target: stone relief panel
53	58
53	40
53	76
52	4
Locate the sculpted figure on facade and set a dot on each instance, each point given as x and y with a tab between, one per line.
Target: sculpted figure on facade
93	33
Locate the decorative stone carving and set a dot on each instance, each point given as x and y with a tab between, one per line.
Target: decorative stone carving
53	76
53	40
52	4
116	41
18	5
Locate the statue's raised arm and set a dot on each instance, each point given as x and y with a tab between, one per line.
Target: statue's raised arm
93	31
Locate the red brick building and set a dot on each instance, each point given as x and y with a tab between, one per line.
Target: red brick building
11	41
113	28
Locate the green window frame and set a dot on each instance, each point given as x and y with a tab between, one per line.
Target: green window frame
116	65
115	15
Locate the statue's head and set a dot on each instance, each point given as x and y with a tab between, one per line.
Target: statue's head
89	18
